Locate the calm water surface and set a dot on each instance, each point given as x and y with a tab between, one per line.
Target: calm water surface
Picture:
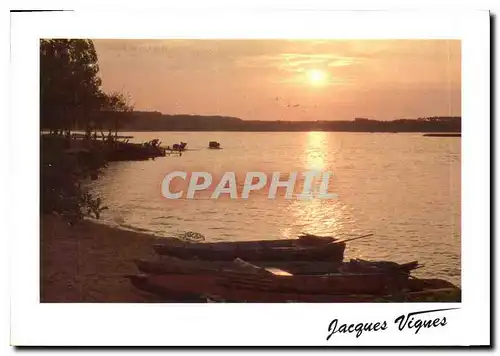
404	188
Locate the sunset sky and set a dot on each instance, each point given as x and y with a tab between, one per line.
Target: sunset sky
286	79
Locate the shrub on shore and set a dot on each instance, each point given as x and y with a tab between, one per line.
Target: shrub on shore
62	172
71	97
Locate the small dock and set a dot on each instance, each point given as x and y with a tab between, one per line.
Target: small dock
110	148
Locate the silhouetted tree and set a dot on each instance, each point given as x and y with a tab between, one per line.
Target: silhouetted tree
69	83
116	102
71	97
70	86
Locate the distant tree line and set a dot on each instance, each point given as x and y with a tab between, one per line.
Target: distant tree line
156	121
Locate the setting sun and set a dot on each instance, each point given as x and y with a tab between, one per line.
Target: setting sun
316	76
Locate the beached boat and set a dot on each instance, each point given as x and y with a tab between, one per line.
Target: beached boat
189	287
276	250
176	288
340	283
301	241
167	264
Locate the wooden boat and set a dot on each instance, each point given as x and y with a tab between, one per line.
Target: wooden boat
332	252
272	250
367	283
301	241
174	287
173	265
167	264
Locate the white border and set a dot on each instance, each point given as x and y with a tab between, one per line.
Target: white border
239	324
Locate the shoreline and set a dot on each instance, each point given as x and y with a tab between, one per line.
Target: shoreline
87	262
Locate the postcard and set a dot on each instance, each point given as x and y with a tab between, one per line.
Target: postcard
266	185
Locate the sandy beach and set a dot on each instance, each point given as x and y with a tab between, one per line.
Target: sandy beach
87	262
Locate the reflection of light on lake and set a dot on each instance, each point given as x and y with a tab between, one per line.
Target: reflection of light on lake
314	158
316	151
317	216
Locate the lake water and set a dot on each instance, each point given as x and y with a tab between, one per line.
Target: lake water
404	188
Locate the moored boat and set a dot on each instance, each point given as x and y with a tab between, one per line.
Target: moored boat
167	264
177	288
258	251
340	283
214	145
189	287
301	241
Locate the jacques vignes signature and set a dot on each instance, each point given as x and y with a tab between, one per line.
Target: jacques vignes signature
414	321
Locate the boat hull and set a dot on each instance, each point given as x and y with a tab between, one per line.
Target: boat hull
168	264
373	283
196	288
324	252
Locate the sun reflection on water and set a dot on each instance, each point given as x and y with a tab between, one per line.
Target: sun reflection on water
318	216
316	151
